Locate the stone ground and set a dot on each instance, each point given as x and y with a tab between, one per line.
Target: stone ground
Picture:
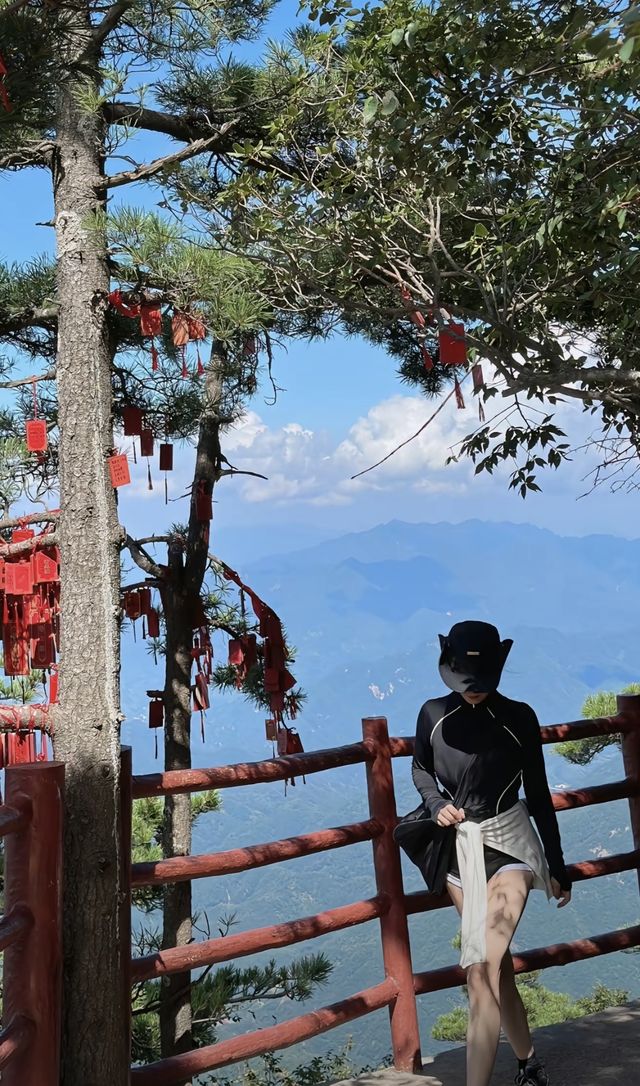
599	1050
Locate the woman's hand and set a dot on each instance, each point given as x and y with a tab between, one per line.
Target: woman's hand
450	815
563	897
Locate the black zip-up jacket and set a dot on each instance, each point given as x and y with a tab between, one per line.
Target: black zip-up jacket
504	738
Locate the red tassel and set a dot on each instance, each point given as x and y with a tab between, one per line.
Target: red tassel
459	396
53	687
4	94
478	377
146	442
426	357
156	713
150	319
149	480
37	439
166	457
200	366
153	623
119	470
204	507
197	328
453	348
481	411
155	363
180	329
115	299
414	314
133	421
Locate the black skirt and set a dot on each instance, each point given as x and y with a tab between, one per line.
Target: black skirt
493	861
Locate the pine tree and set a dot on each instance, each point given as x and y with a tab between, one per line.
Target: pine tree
86	81
602	703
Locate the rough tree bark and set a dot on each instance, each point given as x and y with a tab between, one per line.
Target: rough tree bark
87	722
180	598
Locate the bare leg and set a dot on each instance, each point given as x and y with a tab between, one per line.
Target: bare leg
507	894
513	1016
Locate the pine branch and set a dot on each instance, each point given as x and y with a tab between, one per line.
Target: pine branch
31	154
150	169
50	375
155	539
142	559
32	518
13	717
110	22
9	550
180	128
29	318
239	471
149	582
151	120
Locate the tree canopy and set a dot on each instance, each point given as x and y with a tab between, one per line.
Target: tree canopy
474	169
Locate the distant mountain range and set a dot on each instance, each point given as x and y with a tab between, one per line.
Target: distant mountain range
364	611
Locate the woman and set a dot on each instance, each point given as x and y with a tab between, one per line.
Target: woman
479	747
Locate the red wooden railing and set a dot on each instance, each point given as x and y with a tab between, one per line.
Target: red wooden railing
31	928
391	906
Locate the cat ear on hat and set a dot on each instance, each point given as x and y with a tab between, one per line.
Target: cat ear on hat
444	641
506	647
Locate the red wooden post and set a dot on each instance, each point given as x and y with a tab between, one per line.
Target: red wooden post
126	815
33	881
396	951
629	706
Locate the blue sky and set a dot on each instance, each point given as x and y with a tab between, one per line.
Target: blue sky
341	408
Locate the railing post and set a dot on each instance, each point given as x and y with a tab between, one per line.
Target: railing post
629	706
126	816
32	981
394	929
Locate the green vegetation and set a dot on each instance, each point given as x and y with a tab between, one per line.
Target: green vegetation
603	703
269	1071
543	1007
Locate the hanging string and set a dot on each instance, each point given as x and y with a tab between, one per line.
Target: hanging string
408	440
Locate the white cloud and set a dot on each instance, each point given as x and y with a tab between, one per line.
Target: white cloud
391	422
304	465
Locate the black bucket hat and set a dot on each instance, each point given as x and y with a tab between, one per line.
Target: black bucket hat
472	657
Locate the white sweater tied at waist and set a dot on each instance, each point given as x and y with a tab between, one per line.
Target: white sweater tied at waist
511	832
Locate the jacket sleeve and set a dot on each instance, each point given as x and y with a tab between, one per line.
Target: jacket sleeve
422	769
538	797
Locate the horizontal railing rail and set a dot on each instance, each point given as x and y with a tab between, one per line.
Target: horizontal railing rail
402	745
435	980
175	1069
14	925
14	820
15	1040
391	906
423	901
180	781
229	947
185	868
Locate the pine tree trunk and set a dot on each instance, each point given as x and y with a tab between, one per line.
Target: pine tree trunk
175	993
88	721
180	598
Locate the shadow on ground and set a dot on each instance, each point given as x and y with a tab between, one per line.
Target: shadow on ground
599	1050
